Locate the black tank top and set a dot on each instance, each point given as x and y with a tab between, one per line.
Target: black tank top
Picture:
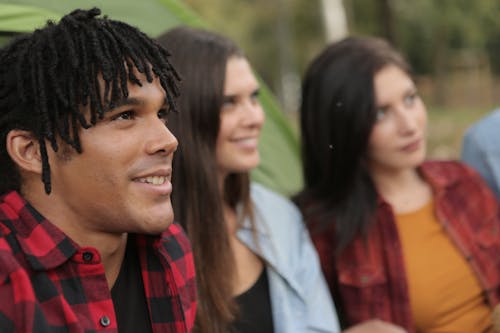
255	308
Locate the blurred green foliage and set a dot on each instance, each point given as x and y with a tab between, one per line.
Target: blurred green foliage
428	29
425	30
439	38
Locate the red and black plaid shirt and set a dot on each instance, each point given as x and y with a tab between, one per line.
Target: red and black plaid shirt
368	279
50	284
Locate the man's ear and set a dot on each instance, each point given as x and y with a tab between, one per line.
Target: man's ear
24	150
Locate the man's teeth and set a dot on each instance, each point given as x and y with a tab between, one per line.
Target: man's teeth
155	180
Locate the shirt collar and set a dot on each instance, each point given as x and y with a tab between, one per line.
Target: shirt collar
44	245
439	177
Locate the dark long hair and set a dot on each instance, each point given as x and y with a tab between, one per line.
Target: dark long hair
336	118
47	76
201	57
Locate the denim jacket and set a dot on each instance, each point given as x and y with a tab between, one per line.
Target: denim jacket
300	298
481	149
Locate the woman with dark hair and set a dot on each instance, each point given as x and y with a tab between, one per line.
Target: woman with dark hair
257	270
407	241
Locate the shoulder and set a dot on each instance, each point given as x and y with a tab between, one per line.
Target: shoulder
488	122
485	130
461	183
265	199
449	171
16	291
279	221
274	210
11	269
8	259
12	257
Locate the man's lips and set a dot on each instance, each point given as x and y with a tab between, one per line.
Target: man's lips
157	177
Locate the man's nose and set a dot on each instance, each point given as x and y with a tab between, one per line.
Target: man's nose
161	140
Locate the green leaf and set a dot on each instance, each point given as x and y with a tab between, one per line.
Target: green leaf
23	18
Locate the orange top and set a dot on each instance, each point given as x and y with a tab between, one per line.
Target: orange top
444	293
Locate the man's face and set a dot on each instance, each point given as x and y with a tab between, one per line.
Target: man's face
121	180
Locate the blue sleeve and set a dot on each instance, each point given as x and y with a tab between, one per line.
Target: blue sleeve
484	159
300	297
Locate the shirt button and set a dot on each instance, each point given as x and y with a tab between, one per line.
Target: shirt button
87	256
105	321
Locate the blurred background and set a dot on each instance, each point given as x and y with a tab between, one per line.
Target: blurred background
453	46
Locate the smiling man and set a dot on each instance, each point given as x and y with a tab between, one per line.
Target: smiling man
87	242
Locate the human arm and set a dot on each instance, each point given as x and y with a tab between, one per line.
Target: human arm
299	295
6	314
16	297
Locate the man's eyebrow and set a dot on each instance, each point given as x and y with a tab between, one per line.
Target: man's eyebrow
125	102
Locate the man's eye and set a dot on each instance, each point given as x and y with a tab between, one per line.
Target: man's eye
163	114
126	115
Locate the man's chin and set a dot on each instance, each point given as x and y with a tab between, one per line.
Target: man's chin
153	225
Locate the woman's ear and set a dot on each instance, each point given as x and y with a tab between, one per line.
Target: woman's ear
24	150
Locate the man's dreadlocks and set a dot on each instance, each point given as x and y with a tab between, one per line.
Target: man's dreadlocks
47	76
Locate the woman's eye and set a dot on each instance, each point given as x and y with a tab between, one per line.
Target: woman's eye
410	99
228	102
381	113
255	96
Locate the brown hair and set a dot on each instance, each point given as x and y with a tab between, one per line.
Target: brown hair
200	57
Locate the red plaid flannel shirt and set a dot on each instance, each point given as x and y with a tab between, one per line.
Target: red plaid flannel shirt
368	279
50	284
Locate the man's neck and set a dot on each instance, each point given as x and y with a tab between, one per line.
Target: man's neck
111	246
113	261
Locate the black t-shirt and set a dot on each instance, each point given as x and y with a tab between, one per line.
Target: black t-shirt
255	308
128	295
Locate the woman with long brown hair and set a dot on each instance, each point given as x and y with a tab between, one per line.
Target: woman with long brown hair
257	270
